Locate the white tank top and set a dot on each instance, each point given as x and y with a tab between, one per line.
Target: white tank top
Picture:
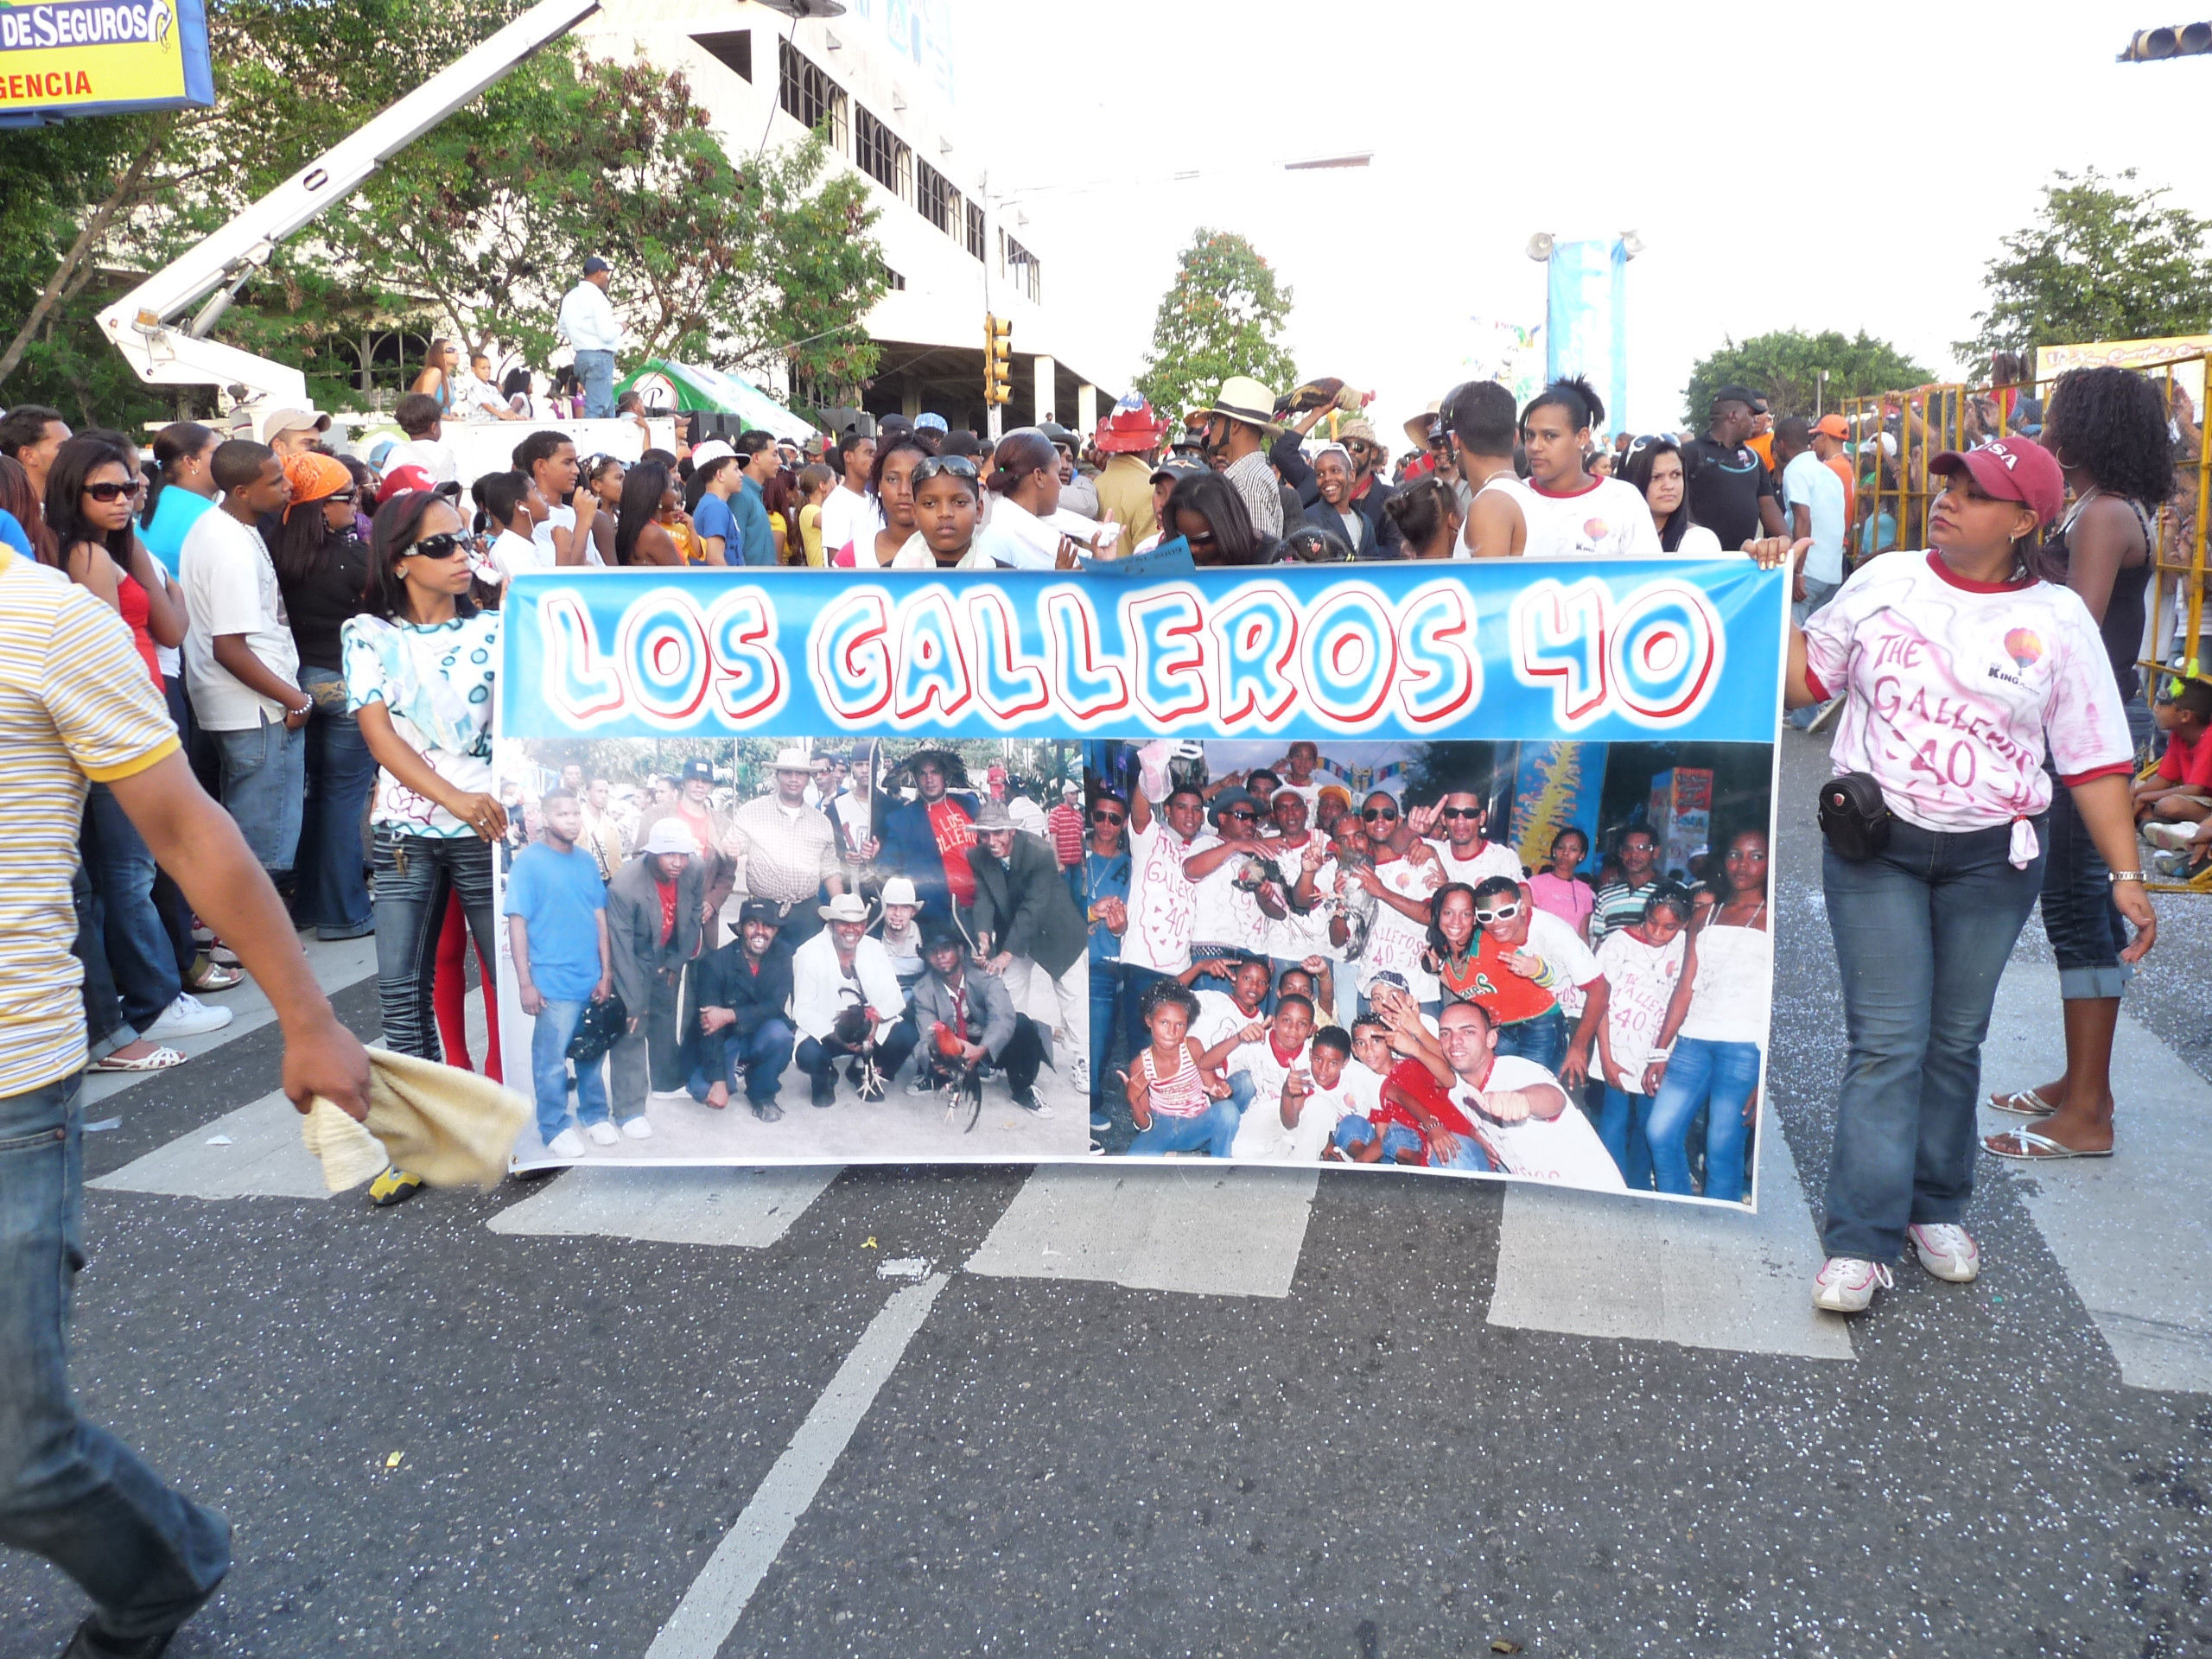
1735	977
1607	520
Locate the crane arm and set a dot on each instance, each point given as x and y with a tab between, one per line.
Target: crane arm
142	322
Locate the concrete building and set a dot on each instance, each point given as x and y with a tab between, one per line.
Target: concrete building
878	82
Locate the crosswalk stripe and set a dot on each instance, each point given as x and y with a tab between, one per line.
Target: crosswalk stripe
1187	1225
252	1152
2133	1232
1591	1265
749	1209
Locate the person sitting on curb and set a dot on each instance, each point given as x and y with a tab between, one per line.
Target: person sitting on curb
744	992
841	969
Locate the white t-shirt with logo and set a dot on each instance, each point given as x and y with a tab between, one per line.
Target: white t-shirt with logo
1953	685
1219	1018
1227	914
229	587
1494	859
1565	1149
1608	520
1640	980
1263	1137
1162	905
1260	1127
1396	941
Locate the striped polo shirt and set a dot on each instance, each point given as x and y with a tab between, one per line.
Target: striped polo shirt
75	702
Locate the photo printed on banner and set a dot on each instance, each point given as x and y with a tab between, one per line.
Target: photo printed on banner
1546	959
784	949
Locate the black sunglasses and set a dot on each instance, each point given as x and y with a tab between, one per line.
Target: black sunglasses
434	547
1244	812
115	492
1380	814
1107	817
1461	812
930	466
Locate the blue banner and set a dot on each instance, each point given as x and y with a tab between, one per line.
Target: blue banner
1586	319
1608	650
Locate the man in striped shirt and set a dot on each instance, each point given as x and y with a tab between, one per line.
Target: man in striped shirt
76	703
1620	903
1239	423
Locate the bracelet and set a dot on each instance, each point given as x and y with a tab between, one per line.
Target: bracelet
1657	1054
2118	876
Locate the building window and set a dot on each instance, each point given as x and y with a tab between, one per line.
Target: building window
811	98
732	49
938	201
1025	268
892	278
881	155
975	230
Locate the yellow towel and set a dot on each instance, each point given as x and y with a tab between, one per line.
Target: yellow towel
450	1127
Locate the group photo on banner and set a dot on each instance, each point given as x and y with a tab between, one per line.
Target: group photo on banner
1459	872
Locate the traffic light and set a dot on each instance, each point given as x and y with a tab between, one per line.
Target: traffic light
998	360
2181	40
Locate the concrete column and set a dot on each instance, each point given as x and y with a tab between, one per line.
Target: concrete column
911	403
1086	408
1047	394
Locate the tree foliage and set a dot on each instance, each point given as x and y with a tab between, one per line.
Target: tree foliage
1223	315
2104	260
1785	367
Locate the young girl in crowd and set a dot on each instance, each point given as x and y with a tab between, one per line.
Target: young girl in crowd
1706	1059
948	500
420	663
1426	513
1643	964
1654	466
1179	1103
893	483
1558	890
513	508
815	483
604	476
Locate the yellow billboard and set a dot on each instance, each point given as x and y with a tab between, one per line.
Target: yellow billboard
2186	352
62	58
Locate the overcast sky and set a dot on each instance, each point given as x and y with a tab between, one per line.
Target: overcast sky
1818	167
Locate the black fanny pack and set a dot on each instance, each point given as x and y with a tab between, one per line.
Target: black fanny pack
1855	817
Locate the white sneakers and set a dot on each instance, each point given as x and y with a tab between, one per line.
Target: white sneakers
567	1144
1846	1285
187	1017
637	1128
1946	1250
602	1133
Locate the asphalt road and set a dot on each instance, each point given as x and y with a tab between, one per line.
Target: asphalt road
1365	1467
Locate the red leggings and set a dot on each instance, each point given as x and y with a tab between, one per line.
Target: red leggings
449	995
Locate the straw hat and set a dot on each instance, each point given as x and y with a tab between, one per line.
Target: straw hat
1242	398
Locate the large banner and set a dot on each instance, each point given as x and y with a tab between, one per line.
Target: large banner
1018	867
102	57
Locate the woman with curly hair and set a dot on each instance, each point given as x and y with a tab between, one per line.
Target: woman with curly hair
2107	429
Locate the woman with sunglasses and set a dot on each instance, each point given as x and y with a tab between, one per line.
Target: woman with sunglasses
92	490
1654	466
1708	1057
421	664
1962	669
891	482
948	501
321	569
1106	870
1531	969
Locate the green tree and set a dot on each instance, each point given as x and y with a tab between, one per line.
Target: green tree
2104	260
1223	315
1785	368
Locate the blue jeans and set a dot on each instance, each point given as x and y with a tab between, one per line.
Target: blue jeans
264	782
70	1492
1352	1132
765	1051
595	370
332	894
140	954
1210	1131
2086	931
417	877
1542	1040
1716	1076
1922	934
548	1072
1105	1000
1623	1125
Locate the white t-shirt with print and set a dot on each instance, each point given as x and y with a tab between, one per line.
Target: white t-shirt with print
229	587
1227	914
1162	905
1219	1018
1261	1136
1608	520
436	682
1396	941
1640	981
1494	859
1261	1128
1565	1149
1951	686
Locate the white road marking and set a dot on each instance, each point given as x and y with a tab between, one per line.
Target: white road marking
747	1207
2133	1231
252	1152
717	1597
1188	1226
1594	1265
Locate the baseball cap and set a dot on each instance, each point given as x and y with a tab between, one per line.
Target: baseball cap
702	770
2012	469
927	423
710	452
280	420
1736	394
400	480
759	910
594	265
1833	426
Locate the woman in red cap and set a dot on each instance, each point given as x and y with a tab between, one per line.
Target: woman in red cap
1954	663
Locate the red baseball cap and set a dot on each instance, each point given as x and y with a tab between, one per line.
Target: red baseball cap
401	480
2012	469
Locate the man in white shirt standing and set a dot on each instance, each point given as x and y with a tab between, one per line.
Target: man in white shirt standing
849	514
588	323
240	662
1813	497
1461	813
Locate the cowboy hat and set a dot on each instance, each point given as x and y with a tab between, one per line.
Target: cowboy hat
900	891
844	907
1130	429
1242	398
1423	426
